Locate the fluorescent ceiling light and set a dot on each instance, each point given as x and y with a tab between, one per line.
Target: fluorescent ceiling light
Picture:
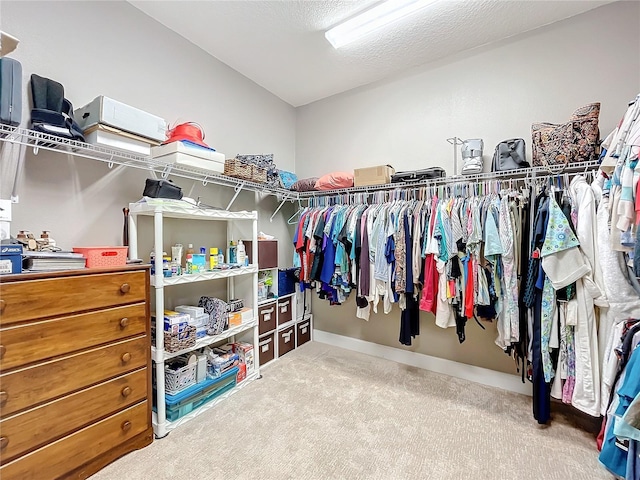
377	17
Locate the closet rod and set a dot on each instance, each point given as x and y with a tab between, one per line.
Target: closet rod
522	173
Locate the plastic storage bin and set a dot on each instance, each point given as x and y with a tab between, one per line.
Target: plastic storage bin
179	379
103	257
186	401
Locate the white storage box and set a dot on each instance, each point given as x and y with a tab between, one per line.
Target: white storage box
116	114
193	311
109	137
194	157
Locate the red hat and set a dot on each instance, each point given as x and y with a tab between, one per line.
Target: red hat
189	131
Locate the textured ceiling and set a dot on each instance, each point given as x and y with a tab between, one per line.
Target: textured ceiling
280	45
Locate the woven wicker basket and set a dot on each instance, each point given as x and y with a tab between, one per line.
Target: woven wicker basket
174	342
236	168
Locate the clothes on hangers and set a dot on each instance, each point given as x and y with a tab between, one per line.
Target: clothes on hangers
543	262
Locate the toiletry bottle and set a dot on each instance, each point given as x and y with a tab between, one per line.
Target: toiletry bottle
242	255
190	249
213	258
220	258
232	255
176	258
152	261
189	262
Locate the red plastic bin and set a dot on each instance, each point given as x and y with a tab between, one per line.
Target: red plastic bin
102	257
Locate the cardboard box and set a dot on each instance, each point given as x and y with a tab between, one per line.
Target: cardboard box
108	111
237	318
379	175
192	311
190	156
10	259
242	373
175	322
109	137
246	355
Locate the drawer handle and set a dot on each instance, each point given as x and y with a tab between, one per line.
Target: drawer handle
126	357
2	305
304	325
4	441
126	391
124	322
125	288
3	350
4	396
284	304
126	426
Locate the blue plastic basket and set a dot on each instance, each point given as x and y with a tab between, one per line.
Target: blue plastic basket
193	397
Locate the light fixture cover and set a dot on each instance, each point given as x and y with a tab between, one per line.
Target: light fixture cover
373	19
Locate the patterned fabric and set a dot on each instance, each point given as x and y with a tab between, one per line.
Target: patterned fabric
287	179
263	161
559	236
574	141
548	316
510	318
567	391
401	257
218	312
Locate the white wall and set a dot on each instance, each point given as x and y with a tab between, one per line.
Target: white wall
113	49
494	93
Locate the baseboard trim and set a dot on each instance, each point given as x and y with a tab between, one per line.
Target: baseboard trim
484	376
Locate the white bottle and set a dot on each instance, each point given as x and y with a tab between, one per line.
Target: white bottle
242	254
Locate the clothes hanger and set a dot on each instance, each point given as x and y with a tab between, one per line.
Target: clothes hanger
291	220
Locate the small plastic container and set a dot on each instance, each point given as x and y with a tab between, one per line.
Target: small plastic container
103	257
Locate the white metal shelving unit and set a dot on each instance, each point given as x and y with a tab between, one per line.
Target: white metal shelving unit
161	209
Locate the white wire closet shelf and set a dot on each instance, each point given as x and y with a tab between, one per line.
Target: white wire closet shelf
522	173
205	341
182	209
43	141
204	276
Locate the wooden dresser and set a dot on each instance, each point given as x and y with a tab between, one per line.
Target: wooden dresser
75	371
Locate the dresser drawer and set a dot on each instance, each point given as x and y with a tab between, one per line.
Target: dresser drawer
284	310
31	299
267	318
32	342
73	451
33	428
29	386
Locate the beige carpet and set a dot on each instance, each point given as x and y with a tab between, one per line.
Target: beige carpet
322	412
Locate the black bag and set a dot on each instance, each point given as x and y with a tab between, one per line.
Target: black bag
162	189
10	91
419	175
509	155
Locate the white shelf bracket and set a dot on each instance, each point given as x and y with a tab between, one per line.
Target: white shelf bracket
237	189
166	171
284	200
